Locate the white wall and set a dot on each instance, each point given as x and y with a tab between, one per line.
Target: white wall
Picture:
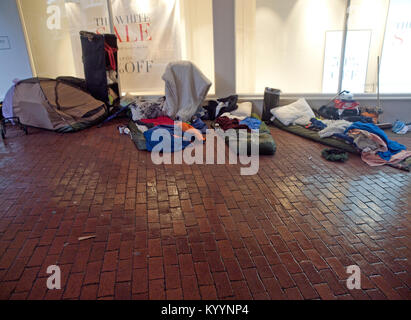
14	63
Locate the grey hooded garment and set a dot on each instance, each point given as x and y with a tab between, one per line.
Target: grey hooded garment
186	87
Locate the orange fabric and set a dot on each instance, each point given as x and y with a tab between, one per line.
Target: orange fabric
371	115
186	127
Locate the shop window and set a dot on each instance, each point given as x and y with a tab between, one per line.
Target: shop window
396	53
281	44
151	33
355	62
367	19
296	46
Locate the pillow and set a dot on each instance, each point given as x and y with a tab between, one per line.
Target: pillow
243	111
298	112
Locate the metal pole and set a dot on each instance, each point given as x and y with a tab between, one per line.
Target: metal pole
110	16
344	44
378	83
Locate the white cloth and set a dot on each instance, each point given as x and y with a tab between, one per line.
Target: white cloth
219	107
229	115
243	111
186	87
333	127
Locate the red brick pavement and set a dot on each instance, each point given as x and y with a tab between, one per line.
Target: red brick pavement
196	232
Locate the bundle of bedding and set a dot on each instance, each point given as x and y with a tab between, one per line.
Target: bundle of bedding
186	87
145	133
359	137
242	118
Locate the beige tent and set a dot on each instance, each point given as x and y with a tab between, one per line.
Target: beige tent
60	105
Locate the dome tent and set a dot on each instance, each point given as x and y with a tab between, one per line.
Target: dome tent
61	105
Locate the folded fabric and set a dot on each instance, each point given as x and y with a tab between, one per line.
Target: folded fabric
229	115
243	111
159	121
252	123
393	147
226	123
199	125
333	127
171	141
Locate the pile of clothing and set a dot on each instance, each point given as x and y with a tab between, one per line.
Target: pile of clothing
175	132
229	114
177	112
400	127
376	148
186	87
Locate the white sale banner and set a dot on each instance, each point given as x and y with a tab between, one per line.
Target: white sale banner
148	37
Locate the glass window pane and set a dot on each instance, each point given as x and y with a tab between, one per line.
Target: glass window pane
396	55
48	30
332	59
357	51
281	43
366	27
151	33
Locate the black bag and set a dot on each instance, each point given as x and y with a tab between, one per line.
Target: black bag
271	100
94	60
330	113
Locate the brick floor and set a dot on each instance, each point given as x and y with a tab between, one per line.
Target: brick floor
196	232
